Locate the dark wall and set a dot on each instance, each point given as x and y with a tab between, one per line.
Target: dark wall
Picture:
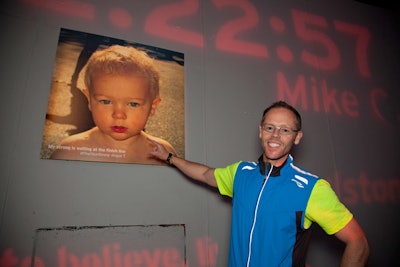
337	62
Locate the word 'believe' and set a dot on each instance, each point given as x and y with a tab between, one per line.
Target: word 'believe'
111	255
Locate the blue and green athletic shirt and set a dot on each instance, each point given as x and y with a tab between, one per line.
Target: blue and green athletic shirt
272	213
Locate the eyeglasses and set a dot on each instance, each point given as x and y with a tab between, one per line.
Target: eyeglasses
269	128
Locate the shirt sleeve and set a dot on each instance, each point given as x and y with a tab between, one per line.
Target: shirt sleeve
225	177
325	209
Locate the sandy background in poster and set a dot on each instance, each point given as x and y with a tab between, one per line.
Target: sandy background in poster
67	111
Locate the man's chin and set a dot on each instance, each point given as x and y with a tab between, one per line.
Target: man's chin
275	156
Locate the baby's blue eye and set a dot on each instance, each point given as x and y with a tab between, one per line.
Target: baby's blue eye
133	104
105	101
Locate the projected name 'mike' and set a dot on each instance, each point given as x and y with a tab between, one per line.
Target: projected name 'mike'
309	28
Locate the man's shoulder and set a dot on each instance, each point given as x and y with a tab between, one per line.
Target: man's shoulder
247	165
302	175
296	169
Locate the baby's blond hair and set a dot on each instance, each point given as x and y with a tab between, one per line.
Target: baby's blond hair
118	59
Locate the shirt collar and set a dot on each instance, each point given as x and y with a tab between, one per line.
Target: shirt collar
265	166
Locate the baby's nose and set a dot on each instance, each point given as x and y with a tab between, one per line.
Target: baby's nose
119	113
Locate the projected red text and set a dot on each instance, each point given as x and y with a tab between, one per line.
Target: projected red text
320	51
114	255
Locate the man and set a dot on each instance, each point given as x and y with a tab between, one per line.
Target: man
274	201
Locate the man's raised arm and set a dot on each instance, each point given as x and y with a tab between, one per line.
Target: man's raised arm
194	170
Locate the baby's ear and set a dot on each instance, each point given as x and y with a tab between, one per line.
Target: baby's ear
86	93
154	105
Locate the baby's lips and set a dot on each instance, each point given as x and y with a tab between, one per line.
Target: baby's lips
119	129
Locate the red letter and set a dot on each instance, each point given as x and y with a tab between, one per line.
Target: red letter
226	38
348	185
117	255
8	259
28	261
329	99
305	25
157	22
91	260
207	251
299	90
364	185
132	259
362	40
394	189
62	258
350	103
152	260
374	95
106	256
171	258
379	191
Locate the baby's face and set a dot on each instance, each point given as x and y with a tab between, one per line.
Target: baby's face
121	104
